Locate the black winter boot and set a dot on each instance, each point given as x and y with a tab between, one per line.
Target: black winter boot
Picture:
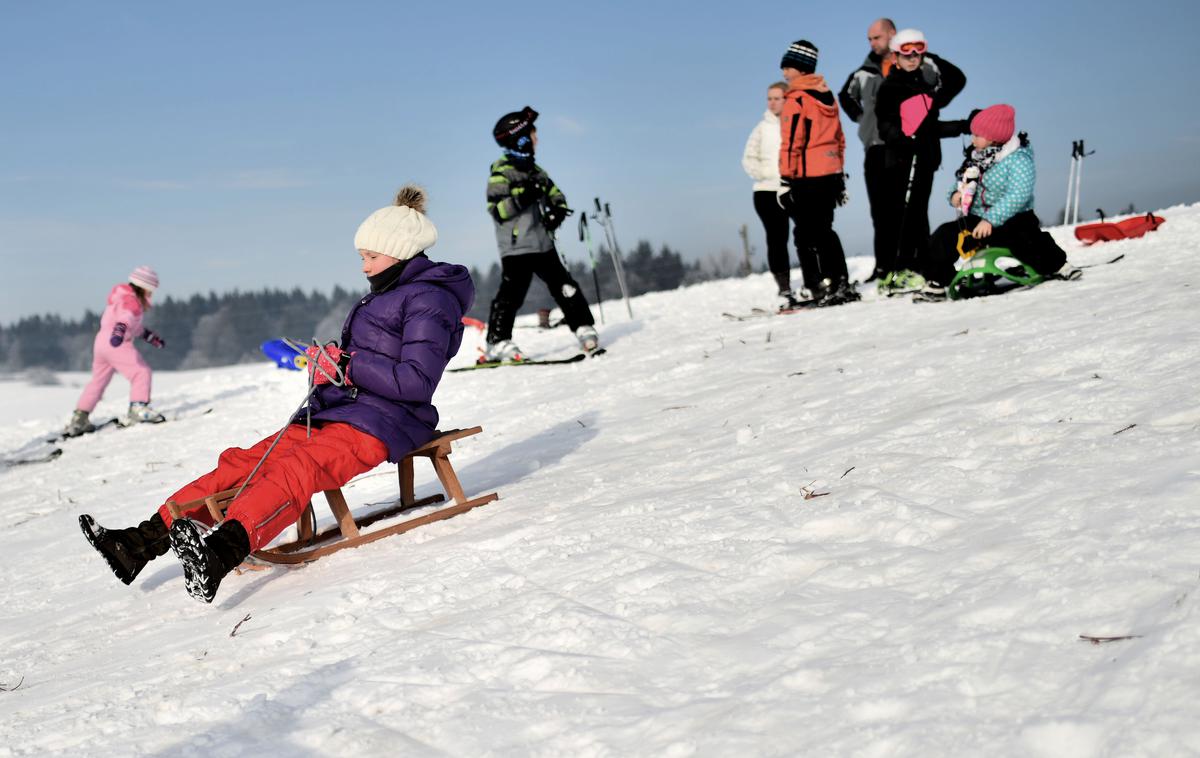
206	560
127	551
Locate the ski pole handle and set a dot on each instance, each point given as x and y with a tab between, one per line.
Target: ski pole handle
598	209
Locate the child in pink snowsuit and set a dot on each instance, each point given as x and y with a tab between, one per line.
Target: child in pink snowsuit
113	351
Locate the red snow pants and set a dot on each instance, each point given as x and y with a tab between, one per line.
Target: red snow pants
297	469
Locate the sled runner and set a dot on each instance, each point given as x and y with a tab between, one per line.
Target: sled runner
990	271
310	545
1130	228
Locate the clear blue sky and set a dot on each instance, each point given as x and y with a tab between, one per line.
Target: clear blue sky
234	144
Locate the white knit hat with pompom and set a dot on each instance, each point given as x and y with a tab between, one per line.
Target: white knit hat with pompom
398	231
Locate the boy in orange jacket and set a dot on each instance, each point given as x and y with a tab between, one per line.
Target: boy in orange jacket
811	158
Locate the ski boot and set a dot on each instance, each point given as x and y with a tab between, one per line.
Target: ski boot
207	559
142	413
837	293
932	292
500	352
589	341
78	425
127	551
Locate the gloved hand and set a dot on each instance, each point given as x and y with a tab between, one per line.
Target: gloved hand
152	337
118	334
527	192
843	196
554	215
967	124
328	364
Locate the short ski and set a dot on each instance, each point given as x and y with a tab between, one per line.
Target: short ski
531	362
800	307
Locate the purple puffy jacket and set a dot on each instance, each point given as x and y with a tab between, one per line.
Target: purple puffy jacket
401	340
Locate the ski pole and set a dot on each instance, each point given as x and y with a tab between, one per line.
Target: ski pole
585	234
1070	186
615	252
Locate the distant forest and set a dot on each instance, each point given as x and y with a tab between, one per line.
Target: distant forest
214	330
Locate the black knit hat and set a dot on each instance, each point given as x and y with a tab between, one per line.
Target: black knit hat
801	55
511	127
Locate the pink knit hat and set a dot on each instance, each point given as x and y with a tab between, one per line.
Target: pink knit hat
144	277
995	124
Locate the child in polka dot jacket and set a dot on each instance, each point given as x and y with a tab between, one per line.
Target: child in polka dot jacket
994	197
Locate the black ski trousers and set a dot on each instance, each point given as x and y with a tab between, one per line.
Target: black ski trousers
1022	234
775	224
516	272
810	203
905	213
875	174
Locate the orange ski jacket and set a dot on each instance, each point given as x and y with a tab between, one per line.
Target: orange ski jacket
812	142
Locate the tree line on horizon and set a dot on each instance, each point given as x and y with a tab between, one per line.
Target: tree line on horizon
202	331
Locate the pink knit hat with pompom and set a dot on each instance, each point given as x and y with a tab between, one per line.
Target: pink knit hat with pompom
995	124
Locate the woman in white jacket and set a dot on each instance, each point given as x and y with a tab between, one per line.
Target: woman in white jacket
761	162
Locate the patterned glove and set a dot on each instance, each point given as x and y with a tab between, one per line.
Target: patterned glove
118	334
329	365
152	337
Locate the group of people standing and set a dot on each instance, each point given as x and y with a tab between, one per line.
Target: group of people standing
796	156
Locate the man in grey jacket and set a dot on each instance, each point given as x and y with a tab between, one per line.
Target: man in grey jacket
527	207
857	98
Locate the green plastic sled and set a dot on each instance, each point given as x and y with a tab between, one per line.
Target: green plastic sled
982	274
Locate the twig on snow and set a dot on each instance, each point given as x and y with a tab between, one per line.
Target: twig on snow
238	625
1124	430
6	688
847	471
1098	640
809	493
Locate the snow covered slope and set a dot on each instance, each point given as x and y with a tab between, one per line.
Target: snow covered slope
876	530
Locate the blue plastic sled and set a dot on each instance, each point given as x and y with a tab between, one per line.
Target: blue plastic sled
286	354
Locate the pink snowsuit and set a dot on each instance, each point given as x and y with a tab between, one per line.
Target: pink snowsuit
124	308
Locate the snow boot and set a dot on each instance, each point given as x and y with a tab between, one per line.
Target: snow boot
1067	273
78	425
142	413
206	560
127	551
932	292
837	293
589	341
498	352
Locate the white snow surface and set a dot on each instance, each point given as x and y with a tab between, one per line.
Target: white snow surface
991	480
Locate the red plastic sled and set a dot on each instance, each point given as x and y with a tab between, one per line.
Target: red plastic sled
1128	229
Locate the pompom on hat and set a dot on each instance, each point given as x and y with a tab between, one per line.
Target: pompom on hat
400	230
801	55
144	277
995	123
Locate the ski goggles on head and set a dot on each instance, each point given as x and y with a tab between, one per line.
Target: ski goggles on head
912	48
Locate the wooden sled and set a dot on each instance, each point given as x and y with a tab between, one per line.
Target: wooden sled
309	545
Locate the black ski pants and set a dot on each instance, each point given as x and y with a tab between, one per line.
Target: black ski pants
875	174
516	272
1022	234
775	224
810	203
905	215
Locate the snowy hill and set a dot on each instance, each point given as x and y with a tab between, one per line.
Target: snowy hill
993	479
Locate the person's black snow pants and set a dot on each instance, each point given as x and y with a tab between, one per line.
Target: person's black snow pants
775	224
516	272
1022	234
810	204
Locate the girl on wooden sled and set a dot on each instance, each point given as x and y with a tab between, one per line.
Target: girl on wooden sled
396	342
113	351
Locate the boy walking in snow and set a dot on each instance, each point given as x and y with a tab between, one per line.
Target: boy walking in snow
527	208
994	195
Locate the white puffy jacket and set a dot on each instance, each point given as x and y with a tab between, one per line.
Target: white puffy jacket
761	156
